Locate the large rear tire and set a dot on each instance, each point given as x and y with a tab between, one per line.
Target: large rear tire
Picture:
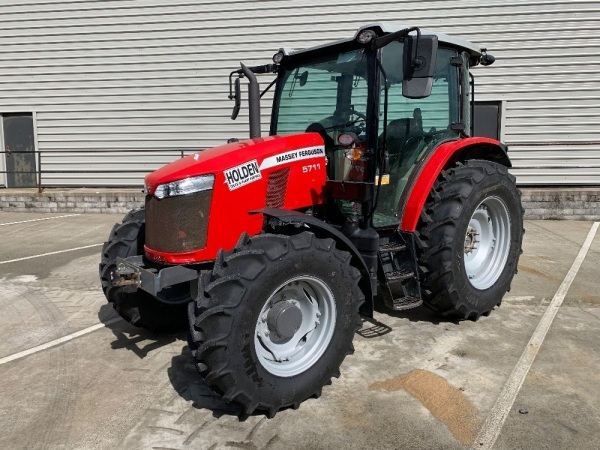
275	319
471	231
139	308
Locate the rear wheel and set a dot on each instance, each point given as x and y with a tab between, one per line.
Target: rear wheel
164	314
275	319
471	232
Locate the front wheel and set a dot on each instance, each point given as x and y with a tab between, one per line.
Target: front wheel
275	319
471	232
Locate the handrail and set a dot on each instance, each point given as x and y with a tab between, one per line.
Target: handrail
40	170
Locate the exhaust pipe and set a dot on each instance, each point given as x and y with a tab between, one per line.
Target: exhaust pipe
253	102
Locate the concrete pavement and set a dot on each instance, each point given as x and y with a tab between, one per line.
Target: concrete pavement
415	381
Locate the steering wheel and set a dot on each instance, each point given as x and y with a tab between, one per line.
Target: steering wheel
340	125
358	113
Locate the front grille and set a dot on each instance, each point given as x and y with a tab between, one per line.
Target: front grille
276	188
177	224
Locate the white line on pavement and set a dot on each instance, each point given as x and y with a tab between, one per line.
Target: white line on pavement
58	341
493	425
37	220
50	253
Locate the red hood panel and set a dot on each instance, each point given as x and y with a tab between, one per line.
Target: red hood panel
287	172
219	159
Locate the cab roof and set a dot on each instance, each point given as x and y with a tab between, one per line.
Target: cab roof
386	28
383	28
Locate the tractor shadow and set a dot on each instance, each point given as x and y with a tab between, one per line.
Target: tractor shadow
188	383
377	327
137	340
418	314
182	373
191	387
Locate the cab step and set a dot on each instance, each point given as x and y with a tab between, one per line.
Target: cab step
391	247
399	275
400	304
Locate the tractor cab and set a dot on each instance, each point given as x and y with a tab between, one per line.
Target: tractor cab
377	117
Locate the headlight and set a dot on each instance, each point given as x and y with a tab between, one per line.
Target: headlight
186	186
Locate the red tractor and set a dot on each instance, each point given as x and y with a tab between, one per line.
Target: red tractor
370	187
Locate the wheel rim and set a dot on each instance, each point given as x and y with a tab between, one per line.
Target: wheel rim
487	243
295	326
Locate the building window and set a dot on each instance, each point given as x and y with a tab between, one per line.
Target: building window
19	150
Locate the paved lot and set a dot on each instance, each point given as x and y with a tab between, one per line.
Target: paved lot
426	383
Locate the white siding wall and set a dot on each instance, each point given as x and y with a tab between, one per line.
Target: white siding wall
152	74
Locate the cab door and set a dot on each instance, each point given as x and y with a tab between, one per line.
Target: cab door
414	126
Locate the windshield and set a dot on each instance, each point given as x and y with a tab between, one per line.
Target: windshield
330	92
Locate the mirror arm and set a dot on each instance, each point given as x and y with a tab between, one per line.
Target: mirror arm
385	40
231	96
417	63
268	87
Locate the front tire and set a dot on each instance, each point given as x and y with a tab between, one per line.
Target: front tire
471	231
275	319
139	308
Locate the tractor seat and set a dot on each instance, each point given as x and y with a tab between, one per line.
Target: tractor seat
398	132
401	141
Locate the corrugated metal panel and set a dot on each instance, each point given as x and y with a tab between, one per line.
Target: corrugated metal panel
122	75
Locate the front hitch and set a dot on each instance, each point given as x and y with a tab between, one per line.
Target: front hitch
131	274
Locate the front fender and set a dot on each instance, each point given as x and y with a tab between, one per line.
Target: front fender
322	229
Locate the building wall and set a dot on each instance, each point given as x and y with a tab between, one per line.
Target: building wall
115	80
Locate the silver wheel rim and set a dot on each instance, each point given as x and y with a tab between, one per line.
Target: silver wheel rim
310	301
487	243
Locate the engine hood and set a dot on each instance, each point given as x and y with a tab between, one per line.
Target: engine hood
219	159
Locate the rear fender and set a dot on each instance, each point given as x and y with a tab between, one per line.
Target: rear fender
321	229
441	158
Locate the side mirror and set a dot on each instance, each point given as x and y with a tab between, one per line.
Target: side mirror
238	99
419	65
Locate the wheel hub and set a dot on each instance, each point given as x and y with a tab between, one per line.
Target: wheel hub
487	243
284	319
471	240
295	326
